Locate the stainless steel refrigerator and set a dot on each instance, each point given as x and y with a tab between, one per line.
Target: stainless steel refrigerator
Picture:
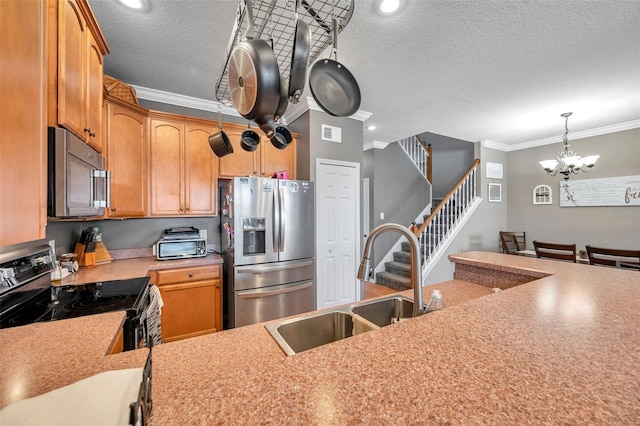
268	235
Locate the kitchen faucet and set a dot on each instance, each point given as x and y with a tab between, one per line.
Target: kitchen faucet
416	267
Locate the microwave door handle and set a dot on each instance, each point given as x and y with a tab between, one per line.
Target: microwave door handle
108	188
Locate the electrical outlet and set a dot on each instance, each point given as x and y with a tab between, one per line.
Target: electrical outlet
381	215
52	244
203	234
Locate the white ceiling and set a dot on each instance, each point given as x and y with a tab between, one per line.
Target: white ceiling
494	70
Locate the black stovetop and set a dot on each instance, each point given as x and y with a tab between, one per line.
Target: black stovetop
63	302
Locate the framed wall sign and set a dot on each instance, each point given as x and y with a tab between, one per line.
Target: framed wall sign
494	170
495	192
613	191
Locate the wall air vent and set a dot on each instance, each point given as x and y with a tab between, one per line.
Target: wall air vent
331	133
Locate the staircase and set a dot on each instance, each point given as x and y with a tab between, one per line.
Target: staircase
435	232
397	273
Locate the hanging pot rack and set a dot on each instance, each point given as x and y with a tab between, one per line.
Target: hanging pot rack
276	18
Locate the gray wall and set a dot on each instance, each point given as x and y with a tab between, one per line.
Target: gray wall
481	232
451	159
398	190
616	227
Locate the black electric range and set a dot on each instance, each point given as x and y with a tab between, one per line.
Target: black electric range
27	296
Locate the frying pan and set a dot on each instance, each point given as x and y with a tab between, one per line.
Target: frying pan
299	58
249	139
332	85
219	142
254	78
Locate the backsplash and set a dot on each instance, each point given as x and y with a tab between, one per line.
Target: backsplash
128	233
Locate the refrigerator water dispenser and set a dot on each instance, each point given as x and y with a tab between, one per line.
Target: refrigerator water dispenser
254	230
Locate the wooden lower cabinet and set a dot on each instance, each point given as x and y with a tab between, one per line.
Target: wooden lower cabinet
192	301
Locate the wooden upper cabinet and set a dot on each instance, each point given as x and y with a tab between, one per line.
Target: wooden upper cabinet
184	170
201	171
127	159
241	162
23	124
262	162
75	81
274	160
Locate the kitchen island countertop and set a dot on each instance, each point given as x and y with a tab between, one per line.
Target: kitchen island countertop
561	348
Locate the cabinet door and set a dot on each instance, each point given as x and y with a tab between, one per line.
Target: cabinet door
127	161
166	167
201	171
23	138
190	309
273	159
241	162
72	41
93	123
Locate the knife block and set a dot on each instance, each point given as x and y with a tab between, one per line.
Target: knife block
84	258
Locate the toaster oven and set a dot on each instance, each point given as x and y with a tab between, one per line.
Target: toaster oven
166	249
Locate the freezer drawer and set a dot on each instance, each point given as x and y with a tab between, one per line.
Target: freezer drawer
268	303
269	274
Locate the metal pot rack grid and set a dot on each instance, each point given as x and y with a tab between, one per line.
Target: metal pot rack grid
275	20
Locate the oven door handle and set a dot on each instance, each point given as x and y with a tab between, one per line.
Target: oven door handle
256	294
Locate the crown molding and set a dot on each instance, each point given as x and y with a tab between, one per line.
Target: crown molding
375	145
628	125
183	101
294	111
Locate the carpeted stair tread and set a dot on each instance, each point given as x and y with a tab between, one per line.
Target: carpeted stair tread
402	256
394	281
398	268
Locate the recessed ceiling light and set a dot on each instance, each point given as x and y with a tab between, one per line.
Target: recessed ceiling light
389	6
133	4
371	127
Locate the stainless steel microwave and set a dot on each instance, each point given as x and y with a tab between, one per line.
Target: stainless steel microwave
78	184
180	248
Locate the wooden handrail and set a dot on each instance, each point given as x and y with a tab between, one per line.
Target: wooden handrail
446	198
429	151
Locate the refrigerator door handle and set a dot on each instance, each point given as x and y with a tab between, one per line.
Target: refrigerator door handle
276	221
262	269
282	213
253	294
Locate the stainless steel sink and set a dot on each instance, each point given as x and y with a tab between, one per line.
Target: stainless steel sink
308	332
382	311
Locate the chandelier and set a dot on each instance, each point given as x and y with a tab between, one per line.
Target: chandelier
568	162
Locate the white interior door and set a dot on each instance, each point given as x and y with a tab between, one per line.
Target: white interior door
337	232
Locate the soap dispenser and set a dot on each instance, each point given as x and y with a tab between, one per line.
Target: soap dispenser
435	303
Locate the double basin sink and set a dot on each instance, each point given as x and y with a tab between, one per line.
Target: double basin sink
307	332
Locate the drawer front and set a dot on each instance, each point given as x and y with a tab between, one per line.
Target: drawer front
188	274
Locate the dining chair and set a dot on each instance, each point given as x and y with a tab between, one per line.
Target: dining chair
618	258
555	251
513	241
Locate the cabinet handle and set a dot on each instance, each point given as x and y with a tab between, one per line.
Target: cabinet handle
262	173
88	130
190	275
113	209
217	286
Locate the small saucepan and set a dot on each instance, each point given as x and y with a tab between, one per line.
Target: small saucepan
219	142
282	137
249	139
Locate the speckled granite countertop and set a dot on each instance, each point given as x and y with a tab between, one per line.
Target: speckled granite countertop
563	348
121	269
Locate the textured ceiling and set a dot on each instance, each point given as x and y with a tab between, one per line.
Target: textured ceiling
497	70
